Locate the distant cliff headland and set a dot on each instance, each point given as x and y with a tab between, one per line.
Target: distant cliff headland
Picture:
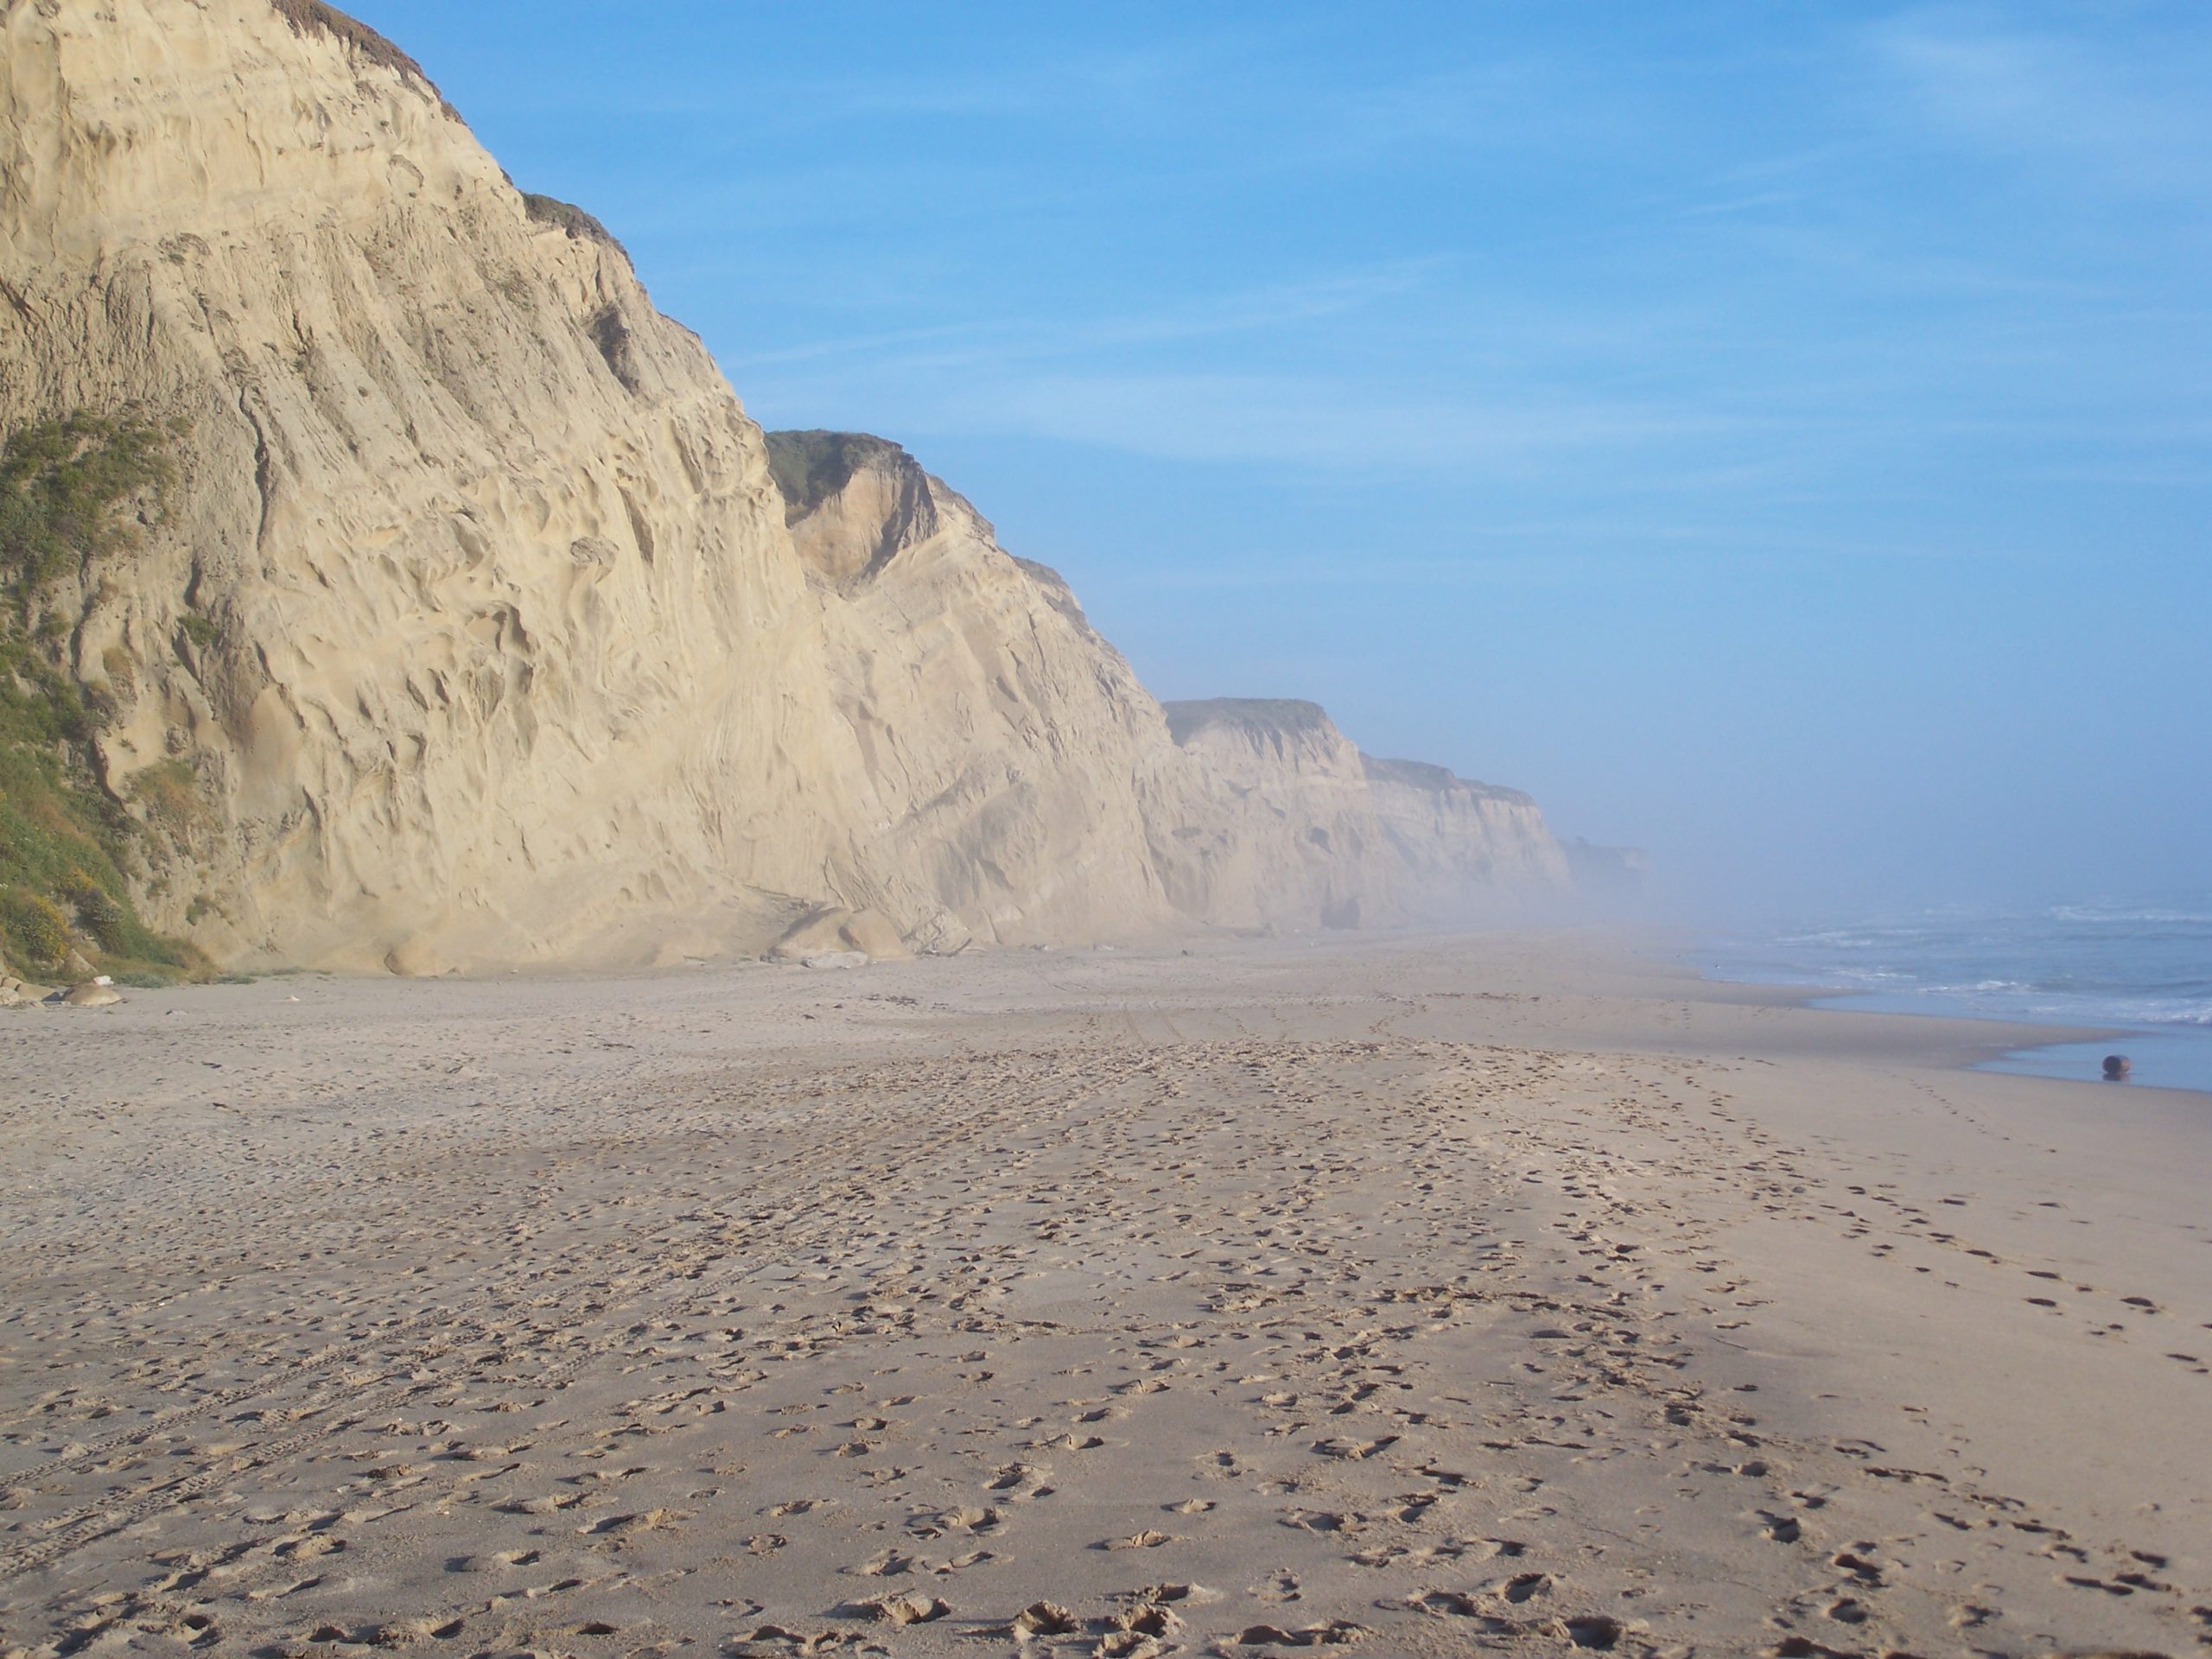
389	586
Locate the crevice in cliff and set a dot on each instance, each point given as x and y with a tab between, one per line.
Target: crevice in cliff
640	527
611	335
264	472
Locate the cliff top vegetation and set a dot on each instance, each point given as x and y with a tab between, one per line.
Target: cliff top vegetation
1278	717
811	466
315	16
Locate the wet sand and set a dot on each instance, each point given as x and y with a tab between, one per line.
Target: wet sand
1428	1297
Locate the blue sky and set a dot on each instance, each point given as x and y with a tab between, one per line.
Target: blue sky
1779	436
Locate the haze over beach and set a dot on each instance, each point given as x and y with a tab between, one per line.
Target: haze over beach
1131	834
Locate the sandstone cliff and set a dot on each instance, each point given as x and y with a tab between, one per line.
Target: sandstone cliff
509	657
1293	838
1613	873
1006	750
1029	787
478	625
1312	831
1458	847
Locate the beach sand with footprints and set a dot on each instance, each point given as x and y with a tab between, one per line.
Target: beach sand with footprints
1500	1295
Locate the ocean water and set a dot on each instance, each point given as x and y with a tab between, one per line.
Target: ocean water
2142	969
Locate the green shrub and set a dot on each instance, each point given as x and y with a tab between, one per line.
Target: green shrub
66	840
61	484
38	934
100	913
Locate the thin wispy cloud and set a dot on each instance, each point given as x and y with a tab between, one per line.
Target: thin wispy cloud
1519	102
1298	421
1194	318
1074	87
2134	122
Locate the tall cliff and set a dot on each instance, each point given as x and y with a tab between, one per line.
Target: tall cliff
506	654
1006	750
478	623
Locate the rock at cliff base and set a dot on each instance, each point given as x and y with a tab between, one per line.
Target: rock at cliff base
813	935
873	934
839	959
416	959
868	934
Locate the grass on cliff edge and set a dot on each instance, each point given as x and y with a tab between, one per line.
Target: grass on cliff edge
810	466
567	216
319	17
64	841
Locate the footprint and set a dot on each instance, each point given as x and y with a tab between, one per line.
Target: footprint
1859	1567
1337	1632
1323	1521
1593	1630
899	1610
1355	1451
967	1518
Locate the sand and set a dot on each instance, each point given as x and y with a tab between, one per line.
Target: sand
1496	1295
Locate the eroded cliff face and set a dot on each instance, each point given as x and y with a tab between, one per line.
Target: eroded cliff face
1457	849
1288	833
511	657
1026	786
1305	830
477	630
1006	748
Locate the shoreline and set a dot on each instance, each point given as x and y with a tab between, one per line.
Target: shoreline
2177	1052
2035	1034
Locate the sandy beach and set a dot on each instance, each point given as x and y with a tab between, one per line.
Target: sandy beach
1421	1296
